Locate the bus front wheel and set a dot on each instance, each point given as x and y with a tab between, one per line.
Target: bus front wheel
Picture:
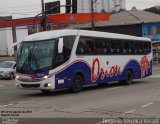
77	84
46	91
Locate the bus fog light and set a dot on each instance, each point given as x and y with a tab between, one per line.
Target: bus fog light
17	85
47	85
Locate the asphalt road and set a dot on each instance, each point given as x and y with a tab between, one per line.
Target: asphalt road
139	100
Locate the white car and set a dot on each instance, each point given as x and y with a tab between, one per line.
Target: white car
8	69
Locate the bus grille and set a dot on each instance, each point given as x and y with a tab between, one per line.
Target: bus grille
29	80
30	85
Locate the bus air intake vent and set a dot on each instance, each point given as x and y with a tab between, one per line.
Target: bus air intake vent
30	85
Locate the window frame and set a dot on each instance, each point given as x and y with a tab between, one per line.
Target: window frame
117	41
121	48
150	48
106	40
56	51
86	54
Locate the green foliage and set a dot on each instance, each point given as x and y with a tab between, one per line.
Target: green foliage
155	9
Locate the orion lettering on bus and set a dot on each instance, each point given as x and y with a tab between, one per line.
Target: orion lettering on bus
97	71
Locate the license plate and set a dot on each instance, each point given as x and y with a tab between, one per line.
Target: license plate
30	88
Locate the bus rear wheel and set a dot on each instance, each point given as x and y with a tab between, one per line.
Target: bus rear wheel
77	84
129	78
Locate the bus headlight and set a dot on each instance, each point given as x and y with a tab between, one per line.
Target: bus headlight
46	77
17	77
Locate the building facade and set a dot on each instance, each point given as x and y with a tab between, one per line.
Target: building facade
84	6
7	38
151	30
137	23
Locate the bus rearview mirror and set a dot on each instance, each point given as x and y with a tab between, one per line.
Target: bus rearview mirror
60	45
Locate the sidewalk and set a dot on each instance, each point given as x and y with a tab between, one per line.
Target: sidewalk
156	65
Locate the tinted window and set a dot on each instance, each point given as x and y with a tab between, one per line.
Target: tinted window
67	46
102	46
147	47
115	46
128	47
138	47
85	46
61	58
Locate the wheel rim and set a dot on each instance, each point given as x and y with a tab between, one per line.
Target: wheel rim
129	77
77	84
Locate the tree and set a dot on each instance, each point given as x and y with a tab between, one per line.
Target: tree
155	9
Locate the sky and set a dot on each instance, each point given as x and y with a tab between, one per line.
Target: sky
141	4
29	8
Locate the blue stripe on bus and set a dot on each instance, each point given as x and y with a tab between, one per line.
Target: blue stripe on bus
69	73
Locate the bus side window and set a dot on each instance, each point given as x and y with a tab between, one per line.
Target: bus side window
147	48
115	46
67	46
61	58
128	47
138	47
102	46
85	46
80	48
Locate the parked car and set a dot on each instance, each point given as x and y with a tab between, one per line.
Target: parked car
8	69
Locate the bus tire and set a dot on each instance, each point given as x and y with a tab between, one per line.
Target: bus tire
77	84
129	78
46	91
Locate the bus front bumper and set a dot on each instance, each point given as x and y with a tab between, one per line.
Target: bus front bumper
47	84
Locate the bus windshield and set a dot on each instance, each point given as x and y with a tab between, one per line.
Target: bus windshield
34	56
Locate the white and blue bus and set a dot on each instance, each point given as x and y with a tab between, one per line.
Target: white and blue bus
71	59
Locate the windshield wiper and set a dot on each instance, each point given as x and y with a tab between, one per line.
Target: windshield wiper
34	58
27	59
31	59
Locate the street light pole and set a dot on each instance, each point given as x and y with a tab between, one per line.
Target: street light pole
43	23
42	3
110	11
92	11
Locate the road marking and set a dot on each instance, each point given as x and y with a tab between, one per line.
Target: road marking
25	102
100	122
6	105
155	76
15	104
146	105
114	88
130	111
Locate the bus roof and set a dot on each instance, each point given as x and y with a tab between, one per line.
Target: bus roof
59	33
